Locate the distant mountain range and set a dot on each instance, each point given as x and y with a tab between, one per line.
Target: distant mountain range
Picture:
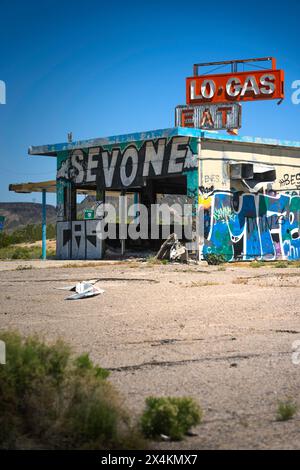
19	214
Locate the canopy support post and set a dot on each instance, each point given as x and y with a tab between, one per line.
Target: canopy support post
44	226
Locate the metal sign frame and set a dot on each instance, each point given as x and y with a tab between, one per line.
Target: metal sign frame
236	86
225	116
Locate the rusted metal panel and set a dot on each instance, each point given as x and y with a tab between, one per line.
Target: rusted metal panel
209	116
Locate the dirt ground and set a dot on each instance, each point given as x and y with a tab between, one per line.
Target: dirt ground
221	335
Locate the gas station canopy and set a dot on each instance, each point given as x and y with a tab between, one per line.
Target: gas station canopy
47	186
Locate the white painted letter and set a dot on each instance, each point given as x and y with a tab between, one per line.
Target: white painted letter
153	157
109	169
92	164
250	85
233	87
268	85
212	88
77	158
130	152
174	166
193	94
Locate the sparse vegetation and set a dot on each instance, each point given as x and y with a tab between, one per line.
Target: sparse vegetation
282	264
170	416
49	400
21	252
153	260
28	234
286	410
257	264
214	258
10	243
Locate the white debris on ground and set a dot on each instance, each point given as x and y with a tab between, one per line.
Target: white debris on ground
83	290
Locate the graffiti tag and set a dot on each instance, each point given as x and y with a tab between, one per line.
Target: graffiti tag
263	227
290	180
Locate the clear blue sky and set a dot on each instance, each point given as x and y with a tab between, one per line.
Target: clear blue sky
101	68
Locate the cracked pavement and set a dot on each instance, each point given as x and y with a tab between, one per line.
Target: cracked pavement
224	337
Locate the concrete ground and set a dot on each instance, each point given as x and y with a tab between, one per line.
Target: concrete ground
221	335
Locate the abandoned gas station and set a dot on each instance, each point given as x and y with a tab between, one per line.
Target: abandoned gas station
244	191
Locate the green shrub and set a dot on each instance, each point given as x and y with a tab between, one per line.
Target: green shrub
214	258
281	264
154	260
18	252
21	253
30	233
49	400
170	416
286	410
257	264
84	363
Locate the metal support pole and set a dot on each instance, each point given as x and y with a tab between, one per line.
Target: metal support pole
44	225
200	210
123	221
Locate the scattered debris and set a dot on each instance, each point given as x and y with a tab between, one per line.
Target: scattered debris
73	286
191	434
83	290
172	249
164	437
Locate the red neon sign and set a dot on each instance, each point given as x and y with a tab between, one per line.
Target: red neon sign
235	87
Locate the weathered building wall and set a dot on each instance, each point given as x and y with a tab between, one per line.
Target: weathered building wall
215	157
243	225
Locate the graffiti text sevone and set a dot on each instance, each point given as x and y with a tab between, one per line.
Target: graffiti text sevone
124	168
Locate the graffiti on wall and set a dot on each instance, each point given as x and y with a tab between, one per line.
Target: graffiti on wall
116	167
78	240
253	226
290	180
